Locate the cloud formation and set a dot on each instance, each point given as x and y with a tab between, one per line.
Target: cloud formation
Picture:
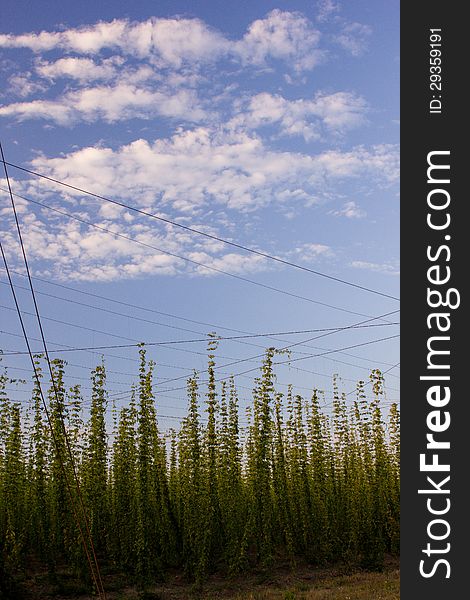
175	42
110	104
164	67
350	210
336	112
203	167
385	268
354	37
217	143
78	68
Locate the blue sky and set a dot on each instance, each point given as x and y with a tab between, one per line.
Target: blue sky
275	125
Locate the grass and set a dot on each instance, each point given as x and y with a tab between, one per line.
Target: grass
360	586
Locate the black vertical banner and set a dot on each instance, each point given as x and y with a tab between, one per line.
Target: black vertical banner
435	356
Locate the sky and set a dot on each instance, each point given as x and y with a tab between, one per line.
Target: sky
273	125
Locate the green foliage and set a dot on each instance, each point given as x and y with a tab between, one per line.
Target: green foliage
95	461
214	495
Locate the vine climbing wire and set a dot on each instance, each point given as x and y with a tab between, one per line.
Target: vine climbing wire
91	556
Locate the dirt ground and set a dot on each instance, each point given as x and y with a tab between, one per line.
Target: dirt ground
280	583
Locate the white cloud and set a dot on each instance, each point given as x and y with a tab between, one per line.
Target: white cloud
69	250
350	210
326	9
23	85
382	160
111	103
350	35
39	109
385	268
157	69
340	111
178	41
214	159
310	252
336	112
21	205
354	38
89	39
188	174
193	169
282	35
231	262
81	69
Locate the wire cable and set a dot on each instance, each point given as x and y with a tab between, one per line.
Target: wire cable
97	577
368	383
205	339
289	361
100	308
235	338
251	358
203	233
189	260
147	309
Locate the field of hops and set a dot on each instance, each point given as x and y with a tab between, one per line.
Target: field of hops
84	486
